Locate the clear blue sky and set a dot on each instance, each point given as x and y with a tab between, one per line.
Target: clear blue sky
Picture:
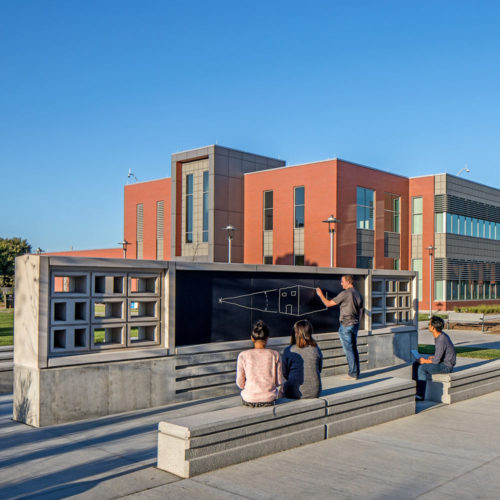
91	89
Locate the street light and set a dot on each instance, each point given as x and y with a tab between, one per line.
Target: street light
465	169
124	245
230	234
431	250
331	229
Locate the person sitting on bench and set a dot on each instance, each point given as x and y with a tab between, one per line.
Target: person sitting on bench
443	361
258	370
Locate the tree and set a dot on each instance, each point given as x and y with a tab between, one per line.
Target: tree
10	248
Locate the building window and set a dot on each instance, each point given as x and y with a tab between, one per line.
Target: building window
416	215
364	262
440	222
364	208
391	212
159	229
298	260
139	229
189	208
205	207
416	265
298	226
299	206
267	239
268	210
439	290
397	264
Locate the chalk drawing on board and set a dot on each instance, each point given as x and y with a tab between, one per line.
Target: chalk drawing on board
297	300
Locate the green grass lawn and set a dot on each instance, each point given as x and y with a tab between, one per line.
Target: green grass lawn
464	352
6	326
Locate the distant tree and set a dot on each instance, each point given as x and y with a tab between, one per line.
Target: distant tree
10	248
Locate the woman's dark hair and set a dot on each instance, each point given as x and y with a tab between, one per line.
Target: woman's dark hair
437	323
302	334
260	331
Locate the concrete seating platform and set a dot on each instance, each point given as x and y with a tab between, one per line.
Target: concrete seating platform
191	445
470	378
368	403
199	443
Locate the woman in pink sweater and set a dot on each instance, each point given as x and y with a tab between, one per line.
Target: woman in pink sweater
258	371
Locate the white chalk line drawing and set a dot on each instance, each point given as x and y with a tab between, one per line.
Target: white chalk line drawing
285	300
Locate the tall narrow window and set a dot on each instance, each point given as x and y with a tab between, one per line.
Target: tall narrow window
139	230
189	208
416	215
299	223
205	207
364	208
268	210
267	240
391	212
299	206
159	229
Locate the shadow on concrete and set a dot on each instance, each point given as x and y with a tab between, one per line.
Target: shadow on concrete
65	482
353	385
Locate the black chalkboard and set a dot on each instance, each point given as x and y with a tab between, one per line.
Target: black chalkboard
218	306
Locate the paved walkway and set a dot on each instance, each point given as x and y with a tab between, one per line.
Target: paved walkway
442	452
462	338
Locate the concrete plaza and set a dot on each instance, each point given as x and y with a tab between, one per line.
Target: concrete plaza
441	452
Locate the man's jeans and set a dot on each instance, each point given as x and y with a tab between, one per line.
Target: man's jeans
348	336
422	373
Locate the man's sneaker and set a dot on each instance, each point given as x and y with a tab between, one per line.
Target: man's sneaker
348	377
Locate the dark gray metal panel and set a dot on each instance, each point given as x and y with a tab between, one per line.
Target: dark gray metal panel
468	208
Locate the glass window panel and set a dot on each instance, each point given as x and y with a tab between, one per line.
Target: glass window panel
417	205
299	216
439	290
364	210
299	195
461	225
439	222
468	226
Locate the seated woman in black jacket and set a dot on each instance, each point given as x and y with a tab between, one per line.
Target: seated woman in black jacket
302	362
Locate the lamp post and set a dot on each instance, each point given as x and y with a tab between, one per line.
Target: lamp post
124	245
431	251
465	169
331	229
230	234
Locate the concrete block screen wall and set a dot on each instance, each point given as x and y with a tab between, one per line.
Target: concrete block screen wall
134	326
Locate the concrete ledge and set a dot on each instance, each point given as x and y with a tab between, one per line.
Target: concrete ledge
199	443
368	403
466	382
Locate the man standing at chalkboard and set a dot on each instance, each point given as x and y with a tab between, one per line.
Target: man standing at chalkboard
351	308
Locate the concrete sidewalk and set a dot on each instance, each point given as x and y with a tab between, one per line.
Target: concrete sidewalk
461	338
442	452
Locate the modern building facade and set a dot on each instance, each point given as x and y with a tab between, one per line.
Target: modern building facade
445	227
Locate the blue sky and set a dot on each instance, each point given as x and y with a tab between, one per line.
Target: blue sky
90	89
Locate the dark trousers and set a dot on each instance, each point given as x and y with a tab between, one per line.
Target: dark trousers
422	373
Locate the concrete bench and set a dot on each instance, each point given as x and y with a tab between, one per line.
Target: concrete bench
468	318
6	368
465	382
200	443
366	405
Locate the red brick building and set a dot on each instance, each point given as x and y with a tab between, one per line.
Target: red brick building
440	224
